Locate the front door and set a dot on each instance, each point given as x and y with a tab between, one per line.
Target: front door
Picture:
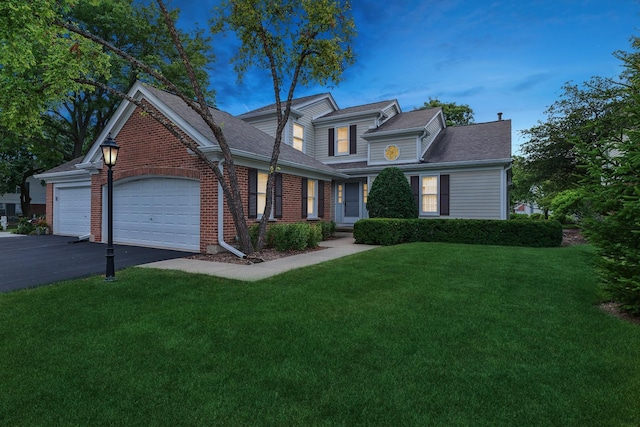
351	202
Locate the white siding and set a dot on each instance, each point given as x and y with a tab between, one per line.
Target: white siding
434	129
267	126
322	150
407	148
311	112
475	194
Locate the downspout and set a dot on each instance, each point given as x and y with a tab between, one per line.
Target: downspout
221	241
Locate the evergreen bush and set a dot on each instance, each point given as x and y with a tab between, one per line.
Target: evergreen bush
391	197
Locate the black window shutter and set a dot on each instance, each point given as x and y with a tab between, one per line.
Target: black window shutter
320	199
353	139
253	193
331	142
277	196
415	189
304	197
444	195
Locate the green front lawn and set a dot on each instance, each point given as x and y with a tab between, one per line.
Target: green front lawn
417	334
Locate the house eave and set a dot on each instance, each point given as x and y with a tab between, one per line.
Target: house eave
342	117
393	133
64	176
265	114
256	158
431	166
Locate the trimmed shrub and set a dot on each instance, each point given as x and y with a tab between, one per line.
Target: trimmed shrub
315	235
391	196
293	237
328	229
382	231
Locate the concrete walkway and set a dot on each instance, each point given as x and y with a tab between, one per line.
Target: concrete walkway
339	247
8	234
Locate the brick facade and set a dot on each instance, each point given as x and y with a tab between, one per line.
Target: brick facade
148	149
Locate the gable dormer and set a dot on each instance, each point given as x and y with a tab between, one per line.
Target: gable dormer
298	132
404	138
339	133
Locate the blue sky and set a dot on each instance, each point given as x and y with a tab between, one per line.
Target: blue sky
496	56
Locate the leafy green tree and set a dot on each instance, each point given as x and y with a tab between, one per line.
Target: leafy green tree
139	31
612	188
587	115
391	196
19	160
454	114
296	42
48	55
69	127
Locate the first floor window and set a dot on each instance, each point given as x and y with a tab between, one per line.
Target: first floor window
312	198
429	194
339	193
312	207
257	187
262	192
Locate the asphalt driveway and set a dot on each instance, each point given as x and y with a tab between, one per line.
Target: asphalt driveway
30	261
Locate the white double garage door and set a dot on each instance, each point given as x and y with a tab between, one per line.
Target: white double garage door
155	211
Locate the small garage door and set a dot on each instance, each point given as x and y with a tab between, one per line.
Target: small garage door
157	212
72	210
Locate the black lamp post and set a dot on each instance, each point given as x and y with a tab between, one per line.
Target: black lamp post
109	154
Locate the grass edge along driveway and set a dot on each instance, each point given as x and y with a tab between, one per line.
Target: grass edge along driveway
416	334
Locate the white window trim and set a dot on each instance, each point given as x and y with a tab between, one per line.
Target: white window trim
337	142
304	134
264	194
314	214
437	194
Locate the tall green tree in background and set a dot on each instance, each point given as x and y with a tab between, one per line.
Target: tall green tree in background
455	114
611	187
49	55
586	115
70	124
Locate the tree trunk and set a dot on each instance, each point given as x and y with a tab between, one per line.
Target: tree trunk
25	198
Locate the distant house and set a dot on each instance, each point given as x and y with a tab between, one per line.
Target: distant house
10	202
164	196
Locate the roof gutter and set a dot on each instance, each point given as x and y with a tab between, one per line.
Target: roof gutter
221	241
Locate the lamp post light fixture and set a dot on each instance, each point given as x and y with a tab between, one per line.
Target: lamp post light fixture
109	154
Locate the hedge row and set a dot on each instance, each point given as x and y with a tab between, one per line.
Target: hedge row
294	237
385	231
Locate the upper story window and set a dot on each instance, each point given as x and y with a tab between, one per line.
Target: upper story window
298	137
342	140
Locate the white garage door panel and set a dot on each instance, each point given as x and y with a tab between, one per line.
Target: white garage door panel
162	212
72	211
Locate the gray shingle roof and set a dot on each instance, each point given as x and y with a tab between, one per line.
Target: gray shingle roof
483	141
66	167
373	107
409	120
294	103
239	134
